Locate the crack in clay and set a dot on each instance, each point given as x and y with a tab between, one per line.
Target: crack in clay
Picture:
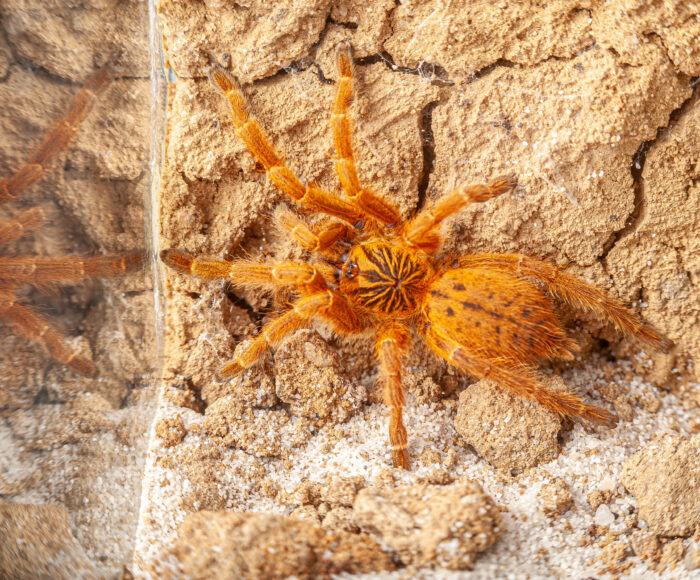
436	74
428	151
636	169
256	316
346	25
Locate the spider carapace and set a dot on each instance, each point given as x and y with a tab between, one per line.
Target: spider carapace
372	274
384	278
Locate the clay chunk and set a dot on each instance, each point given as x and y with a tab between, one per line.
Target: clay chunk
664	477
507	431
428	524
254	546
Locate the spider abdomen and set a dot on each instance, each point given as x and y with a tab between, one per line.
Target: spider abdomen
385	278
496	314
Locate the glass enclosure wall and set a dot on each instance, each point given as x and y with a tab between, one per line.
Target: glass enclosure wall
78	349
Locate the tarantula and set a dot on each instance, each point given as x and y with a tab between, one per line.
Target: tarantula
374	274
16	272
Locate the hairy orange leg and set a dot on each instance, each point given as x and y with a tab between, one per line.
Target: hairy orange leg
38	271
422	230
572	290
57	139
327	305
311	239
243	273
25	222
35	328
250	132
391	345
372	204
518	378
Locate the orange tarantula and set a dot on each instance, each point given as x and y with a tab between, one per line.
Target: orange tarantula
48	272
372	273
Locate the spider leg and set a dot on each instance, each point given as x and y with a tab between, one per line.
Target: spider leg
370	203
241	273
422	231
26	221
392	343
250	132
35	328
518	378
313	240
57	139
572	290
40	271
328	305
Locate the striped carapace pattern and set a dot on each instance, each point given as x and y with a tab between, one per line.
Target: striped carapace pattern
389	278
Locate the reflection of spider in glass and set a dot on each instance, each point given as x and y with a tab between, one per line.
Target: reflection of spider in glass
48	272
376	275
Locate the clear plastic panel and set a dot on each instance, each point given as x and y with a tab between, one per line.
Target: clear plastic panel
79	347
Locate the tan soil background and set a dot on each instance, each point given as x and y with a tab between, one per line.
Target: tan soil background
285	471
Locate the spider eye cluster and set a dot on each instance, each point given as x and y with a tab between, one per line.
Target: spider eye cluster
351	270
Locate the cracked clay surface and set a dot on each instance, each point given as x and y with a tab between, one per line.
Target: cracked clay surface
594	106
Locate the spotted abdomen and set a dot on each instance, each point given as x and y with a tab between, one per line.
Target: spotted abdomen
497	315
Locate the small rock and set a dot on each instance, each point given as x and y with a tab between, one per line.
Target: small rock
509	432
603	516
556	498
430	524
663	477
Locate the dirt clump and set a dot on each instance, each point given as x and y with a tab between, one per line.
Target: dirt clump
599	497
428	525
341	491
37	543
171	430
508	431
309	377
262	432
257	546
646	546
672	554
663	477
556	498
